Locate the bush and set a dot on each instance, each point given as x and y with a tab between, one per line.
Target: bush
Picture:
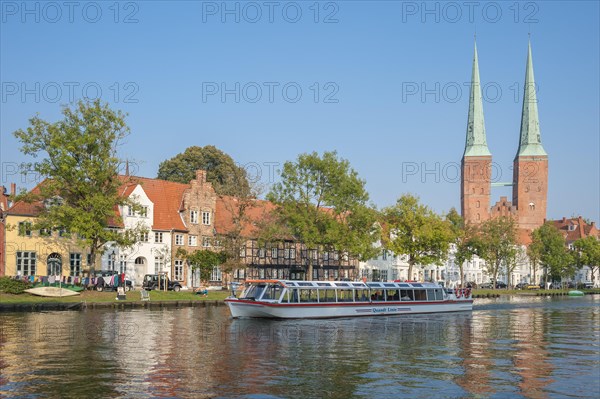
10	286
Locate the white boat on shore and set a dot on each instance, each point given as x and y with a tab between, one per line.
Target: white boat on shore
282	299
51	292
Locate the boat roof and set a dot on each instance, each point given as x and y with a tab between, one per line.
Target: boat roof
348	284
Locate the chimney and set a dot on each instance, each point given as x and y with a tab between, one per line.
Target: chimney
13	189
564	219
201	176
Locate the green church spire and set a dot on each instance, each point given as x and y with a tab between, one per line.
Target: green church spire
530	143
476	143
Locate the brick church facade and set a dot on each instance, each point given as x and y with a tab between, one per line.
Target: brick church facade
530	172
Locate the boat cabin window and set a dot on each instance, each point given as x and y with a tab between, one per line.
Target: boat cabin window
420	295
430	295
326	295
291	295
308	295
393	295
439	294
345	295
406	295
254	291
361	295
272	292
378	295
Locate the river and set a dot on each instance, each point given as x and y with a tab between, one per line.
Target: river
532	347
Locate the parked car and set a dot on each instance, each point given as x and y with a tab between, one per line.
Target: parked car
500	284
588	285
159	281
485	286
522	286
104	283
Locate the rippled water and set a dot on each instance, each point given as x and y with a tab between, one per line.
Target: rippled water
507	347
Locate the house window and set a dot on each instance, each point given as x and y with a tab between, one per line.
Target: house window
144	212
243	251
178	239
178	272
325	255
206	218
111	261
192	241
384	255
130	211
45	232
144	236
206	242
25	229
274	253
194	217
383	274
262	252
216	274
286	253
314	253
315	274
158	237
62	232
75	263
26	262
159	263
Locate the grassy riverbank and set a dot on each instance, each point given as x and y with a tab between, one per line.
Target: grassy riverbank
132	296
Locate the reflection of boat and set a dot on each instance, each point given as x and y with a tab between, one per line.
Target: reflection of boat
51	291
576	293
323	299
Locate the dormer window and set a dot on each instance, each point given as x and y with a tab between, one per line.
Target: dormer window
572	227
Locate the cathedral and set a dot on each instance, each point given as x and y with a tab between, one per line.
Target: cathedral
530	166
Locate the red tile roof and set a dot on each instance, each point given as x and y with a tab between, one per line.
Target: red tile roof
227	208
166	197
576	228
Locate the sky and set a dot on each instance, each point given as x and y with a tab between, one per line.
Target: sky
384	83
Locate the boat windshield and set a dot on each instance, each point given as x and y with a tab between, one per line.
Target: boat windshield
254	291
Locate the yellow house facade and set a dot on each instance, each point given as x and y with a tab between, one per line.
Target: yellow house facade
31	252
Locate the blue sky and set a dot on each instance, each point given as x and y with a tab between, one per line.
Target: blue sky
385	83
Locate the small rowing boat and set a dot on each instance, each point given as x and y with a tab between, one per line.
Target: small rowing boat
51	292
283	299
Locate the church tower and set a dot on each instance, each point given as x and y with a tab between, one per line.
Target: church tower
530	172
477	159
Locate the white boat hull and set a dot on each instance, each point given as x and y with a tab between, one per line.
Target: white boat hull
51	292
249	308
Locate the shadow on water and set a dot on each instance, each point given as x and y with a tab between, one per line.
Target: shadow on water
507	347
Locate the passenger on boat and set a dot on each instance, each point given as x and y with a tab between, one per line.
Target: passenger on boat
406	298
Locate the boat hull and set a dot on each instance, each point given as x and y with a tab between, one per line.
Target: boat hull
51	292
247	308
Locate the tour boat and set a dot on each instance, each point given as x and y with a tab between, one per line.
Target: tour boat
283	299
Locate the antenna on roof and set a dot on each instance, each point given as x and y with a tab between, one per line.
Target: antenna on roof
127	167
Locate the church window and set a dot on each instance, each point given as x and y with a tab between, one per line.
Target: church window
531	206
478	204
478	217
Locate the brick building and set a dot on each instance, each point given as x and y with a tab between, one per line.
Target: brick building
530	172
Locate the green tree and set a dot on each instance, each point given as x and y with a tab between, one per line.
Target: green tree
464	239
534	254
496	244
82	189
318	198
204	261
553	253
412	229
586	252
226	177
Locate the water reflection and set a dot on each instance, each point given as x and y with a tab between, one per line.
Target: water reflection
532	347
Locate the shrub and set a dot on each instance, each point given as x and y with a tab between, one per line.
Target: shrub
10	286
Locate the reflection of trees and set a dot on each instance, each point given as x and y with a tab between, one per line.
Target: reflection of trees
476	361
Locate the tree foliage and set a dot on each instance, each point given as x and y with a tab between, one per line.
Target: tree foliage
323	203
552	251
226	177
412	229
80	160
496	244
586	252
464	238
204	261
